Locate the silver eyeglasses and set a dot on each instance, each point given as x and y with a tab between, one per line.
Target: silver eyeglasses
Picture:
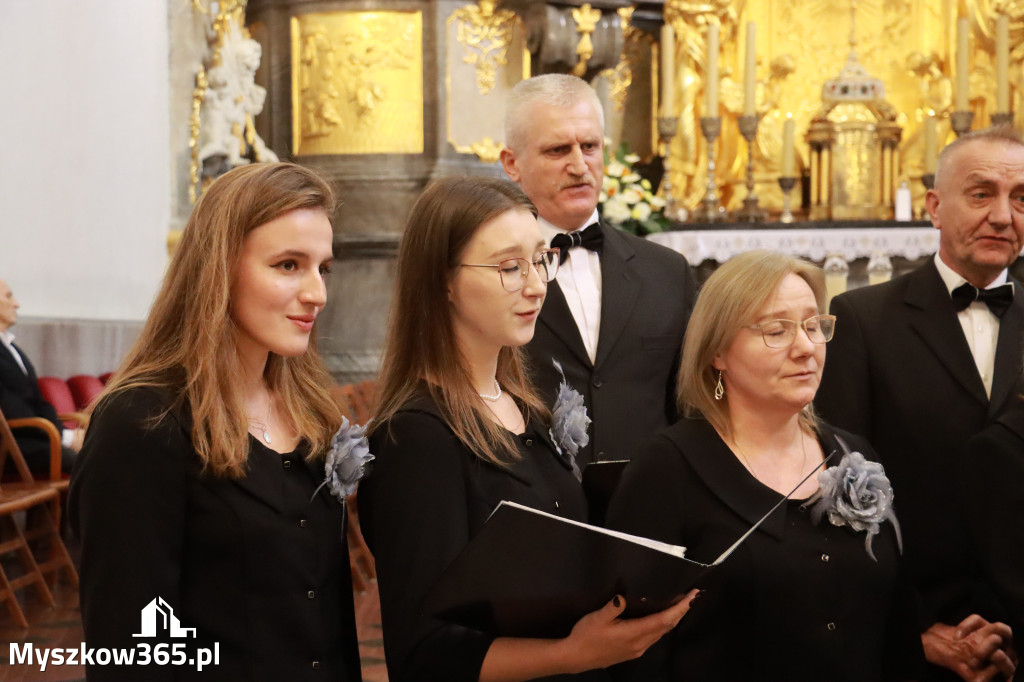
781	333
514	271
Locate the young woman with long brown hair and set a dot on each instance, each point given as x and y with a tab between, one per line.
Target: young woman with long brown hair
459	428
196	492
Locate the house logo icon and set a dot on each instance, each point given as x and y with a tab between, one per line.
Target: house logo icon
158	618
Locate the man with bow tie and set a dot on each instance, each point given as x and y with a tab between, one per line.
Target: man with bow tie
616	313
920	364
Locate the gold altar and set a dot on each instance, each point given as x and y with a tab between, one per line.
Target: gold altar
909	45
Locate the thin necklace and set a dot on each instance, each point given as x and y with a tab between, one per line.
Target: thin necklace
750	467
492	398
262	426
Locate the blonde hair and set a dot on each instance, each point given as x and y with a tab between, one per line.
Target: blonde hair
421	347
730	299
188	343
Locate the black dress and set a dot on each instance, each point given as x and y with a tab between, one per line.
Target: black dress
797	601
427	497
257	565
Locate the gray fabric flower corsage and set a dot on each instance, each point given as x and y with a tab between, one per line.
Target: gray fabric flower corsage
856	492
348	460
569	422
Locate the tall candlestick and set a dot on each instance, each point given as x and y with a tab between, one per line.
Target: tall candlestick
962	30
931	146
711	73
788	130
750	75
1002	63
668	70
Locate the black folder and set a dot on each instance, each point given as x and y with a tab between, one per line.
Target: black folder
528	573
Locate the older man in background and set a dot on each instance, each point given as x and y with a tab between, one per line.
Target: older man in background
20	396
615	316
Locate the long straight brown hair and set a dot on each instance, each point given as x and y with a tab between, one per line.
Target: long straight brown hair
188	343
421	347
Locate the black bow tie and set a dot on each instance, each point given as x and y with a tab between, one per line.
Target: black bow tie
997	299
590	238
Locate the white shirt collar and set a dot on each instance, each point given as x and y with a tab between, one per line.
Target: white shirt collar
952	279
7	338
548	231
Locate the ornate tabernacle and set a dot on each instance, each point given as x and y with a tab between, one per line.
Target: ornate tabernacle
854	143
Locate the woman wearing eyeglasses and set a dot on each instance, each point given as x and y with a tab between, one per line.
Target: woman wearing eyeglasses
817	592
459	429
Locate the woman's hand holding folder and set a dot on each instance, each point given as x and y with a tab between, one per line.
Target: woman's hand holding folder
599	639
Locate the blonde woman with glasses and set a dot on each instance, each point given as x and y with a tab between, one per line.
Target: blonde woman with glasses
818	592
459	428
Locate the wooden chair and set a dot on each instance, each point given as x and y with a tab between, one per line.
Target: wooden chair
356	401
35	499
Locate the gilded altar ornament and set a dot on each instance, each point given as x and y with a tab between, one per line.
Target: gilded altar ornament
854	141
194	122
487	150
486	33
586	18
621	77
357	83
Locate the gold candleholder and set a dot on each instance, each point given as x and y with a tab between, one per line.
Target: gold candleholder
961	122
751	212
1003	118
667	127
710	211
786	183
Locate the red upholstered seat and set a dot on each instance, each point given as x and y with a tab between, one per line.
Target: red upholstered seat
84	389
58	393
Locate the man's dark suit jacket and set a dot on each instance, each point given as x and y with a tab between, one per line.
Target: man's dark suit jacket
993	475
20	397
900	373
646	299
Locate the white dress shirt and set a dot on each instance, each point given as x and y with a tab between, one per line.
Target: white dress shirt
579	278
7	339
980	325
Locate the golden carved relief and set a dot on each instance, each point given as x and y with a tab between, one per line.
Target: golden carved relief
475	115
586	18
357	83
486	32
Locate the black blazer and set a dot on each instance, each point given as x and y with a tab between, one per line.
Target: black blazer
427	497
900	373
258	564
992	471
20	397
647	293
796	602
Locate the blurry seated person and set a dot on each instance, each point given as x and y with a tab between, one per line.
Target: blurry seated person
20	396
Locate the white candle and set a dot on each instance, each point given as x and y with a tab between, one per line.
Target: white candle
962	31
1002	63
750	82
788	130
931	146
711	73
668	70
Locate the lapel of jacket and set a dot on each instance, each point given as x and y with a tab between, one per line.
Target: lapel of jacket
619	290
8	362
726	478
262	479
931	314
557	317
1007	367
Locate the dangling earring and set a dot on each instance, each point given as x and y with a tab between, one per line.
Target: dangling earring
719	388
